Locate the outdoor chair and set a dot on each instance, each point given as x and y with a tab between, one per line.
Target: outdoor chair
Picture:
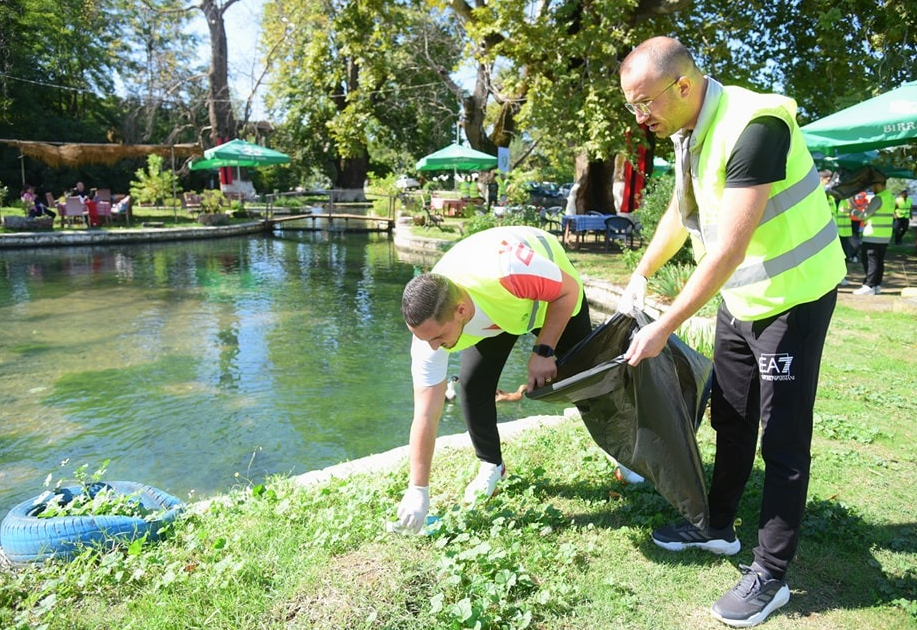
53	203
433	220
74	210
623	229
103	194
550	219
121	210
103	209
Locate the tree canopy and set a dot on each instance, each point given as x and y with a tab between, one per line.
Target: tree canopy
369	87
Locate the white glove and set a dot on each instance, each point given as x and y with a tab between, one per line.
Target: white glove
412	511
634	297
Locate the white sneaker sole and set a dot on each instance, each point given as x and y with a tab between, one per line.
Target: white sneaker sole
719	547
780	599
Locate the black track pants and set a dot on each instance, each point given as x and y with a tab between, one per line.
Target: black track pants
479	375
766	373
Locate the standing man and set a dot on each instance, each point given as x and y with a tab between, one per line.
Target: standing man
840	214
748	194
878	224
902	215
484	293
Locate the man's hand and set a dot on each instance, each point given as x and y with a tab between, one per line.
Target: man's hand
412	511
542	371
634	297
648	342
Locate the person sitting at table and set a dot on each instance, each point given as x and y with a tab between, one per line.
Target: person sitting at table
87	198
122	205
35	207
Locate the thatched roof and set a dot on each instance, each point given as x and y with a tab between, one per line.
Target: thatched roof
56	154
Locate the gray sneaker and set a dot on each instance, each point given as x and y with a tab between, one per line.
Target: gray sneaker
686	536
750	601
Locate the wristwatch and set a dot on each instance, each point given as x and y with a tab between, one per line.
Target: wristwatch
543	350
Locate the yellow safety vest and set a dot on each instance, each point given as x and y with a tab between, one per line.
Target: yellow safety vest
842	219
794	255
879	226
477	263
902	208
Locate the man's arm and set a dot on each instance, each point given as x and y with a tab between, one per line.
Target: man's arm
668	238
874	204
557	315
428	409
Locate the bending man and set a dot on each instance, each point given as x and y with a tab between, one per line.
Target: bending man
484	293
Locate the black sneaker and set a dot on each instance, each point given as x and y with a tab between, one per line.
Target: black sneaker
751	600
686	536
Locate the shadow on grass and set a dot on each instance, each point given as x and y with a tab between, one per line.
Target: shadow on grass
844	560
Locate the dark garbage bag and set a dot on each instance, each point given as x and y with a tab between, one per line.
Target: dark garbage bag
644	417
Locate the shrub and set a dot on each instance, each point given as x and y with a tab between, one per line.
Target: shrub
212	200
655	201
153	185
670	279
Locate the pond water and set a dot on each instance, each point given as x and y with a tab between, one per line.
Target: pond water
188	363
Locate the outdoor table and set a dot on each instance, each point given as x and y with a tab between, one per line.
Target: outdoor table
581	224
448	207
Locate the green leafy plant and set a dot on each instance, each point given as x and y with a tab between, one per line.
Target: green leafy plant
671	279
655	202
95	497
212	200
154	184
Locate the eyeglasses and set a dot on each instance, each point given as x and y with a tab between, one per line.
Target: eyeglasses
643	107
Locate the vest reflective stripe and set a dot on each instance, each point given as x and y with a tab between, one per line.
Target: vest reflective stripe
536	305
794	255
779	203
880	226
751	274
474	264
842	219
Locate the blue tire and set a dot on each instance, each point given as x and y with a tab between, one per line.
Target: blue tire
25	537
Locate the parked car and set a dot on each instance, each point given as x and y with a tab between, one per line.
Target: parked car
544	193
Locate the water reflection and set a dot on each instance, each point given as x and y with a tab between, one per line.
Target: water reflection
185	363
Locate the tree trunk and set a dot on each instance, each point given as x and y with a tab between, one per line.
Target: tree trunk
222	121
351	177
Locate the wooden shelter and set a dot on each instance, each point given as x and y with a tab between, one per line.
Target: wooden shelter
58	154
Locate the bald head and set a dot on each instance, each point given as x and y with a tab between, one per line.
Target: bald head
662	56
663	86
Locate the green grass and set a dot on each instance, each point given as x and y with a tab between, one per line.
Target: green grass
564	546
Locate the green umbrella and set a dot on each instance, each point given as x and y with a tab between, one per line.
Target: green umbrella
887	120
458	158
239	153
857	159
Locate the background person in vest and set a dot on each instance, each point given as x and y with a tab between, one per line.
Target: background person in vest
845	229
878	224
902	215
841	221
484	293
748	194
